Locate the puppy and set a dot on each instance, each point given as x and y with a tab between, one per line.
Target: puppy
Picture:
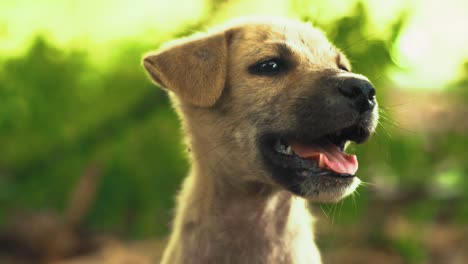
267	106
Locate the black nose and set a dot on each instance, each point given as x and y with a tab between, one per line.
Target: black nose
361	93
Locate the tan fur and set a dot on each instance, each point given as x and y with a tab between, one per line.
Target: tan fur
229	209
204	59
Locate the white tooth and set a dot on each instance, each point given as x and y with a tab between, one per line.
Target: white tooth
347	143
289	150
278	146
321	162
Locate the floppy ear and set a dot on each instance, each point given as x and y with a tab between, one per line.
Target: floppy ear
194	69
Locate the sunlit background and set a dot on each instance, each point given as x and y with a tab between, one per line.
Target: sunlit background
91	154
435	31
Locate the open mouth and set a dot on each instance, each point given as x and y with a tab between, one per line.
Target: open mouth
295	160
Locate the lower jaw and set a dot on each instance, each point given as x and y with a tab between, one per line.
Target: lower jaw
332	193
316	188
305	178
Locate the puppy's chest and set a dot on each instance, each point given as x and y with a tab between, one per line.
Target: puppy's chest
244	246
261	240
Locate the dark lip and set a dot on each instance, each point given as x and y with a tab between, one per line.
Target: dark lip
299	166
292	171
356	132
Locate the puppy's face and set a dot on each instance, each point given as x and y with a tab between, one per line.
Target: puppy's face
288	102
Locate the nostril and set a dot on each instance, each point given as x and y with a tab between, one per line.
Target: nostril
360	91
371	94
363	104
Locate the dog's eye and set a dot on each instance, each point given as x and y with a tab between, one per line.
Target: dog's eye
343	68
269	67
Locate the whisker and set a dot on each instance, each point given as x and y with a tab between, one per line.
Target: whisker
323	211
363	183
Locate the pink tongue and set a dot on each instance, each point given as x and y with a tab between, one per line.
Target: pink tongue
328	156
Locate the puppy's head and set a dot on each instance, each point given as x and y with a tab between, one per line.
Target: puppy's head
276	100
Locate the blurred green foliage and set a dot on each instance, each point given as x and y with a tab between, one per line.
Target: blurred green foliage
370	54
60	114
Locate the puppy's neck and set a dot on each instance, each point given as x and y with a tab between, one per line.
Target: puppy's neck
223	218
263	227
218	224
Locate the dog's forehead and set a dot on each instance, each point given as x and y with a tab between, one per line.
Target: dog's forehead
291	32
295	35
